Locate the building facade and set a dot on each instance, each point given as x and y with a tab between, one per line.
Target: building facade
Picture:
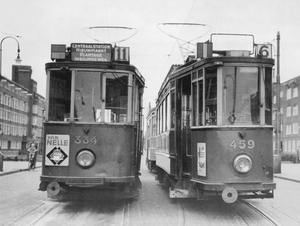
21	112
289	116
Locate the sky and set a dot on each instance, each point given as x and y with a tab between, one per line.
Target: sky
40	23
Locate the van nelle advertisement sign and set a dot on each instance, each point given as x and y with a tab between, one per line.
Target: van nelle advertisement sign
57	150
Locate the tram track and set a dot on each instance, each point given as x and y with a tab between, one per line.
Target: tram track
29	217
76	212
271	220
183	214
125	214
45	213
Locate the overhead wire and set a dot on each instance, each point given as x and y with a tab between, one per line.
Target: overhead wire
171	52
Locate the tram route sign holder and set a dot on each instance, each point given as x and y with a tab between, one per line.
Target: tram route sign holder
91	52
201	159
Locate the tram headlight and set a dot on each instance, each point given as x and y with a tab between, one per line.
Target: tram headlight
242	164
85	158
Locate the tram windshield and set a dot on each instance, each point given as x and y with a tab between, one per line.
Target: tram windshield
241	97
98	96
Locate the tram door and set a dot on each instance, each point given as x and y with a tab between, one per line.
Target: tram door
183	139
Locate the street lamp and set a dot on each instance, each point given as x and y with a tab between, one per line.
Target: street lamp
18	59
277	154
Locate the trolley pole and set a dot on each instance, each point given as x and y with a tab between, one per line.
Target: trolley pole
277	153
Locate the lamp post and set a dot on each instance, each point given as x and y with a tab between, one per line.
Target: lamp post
18	59
277	154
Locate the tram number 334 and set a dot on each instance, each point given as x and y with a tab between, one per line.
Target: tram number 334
242	144
85	140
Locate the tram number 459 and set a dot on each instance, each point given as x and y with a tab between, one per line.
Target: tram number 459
242	144
85	140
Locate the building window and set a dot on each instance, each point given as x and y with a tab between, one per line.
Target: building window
288	129
274	100
295	128
295	110
298	144
295	92
4	128
289	146
293	145
4	144
285	146
281	94
288	111
35	109
2	98
288	94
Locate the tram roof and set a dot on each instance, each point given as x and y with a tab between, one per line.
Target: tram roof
180	70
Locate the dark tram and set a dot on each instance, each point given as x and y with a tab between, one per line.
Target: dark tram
214	125
92	128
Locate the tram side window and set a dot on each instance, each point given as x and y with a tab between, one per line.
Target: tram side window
197	103
200	104
59	95
268	95
153	131
173	115
194	109
211	96
116	98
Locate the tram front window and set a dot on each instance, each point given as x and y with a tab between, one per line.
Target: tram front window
241	96
87	96
98	97
101	97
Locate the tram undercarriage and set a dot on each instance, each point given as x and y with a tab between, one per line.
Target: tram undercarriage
126	187
229	192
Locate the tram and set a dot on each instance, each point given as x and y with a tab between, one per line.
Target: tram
93	120
214	124
150	135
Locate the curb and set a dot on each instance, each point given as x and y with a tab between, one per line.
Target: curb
16	171
285	178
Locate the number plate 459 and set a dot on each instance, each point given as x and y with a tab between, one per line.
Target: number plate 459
242	144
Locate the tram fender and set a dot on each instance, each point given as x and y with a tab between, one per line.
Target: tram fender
43	186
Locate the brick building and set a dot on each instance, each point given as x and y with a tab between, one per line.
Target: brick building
289	115
21	112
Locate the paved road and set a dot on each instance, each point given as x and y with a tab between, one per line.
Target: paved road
22	204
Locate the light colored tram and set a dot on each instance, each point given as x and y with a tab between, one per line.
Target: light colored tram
150	138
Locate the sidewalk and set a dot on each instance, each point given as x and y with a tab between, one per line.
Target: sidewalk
10	167
289	171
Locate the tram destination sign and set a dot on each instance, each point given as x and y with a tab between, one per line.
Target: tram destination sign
91	52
